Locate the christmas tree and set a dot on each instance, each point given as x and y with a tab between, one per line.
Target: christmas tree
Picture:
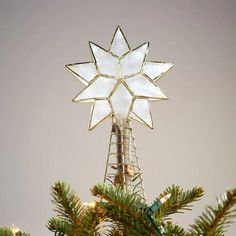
120	84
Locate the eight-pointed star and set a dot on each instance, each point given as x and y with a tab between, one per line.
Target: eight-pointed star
119	82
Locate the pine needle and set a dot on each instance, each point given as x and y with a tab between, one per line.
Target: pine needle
215	219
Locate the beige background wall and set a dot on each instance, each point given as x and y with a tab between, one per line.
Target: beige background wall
43	135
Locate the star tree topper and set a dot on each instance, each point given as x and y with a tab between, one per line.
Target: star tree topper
119	82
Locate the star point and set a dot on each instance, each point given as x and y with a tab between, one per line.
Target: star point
119	44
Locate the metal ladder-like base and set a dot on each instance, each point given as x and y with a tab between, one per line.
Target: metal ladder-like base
122	166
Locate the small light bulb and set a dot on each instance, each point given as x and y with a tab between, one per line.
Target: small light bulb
14	230
165	198
92	204
89	204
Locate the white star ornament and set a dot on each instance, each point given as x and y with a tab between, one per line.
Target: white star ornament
119	82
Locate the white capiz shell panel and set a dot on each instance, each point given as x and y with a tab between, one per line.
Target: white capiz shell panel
154	70
133	61
106	62
119	45
121	101
100	110
84	71
141	109
141	86
100	88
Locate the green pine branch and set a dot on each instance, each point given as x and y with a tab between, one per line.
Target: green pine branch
215	219
179	201
68	205
72	217
60	226
124	209
119	213
7	231
171	229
